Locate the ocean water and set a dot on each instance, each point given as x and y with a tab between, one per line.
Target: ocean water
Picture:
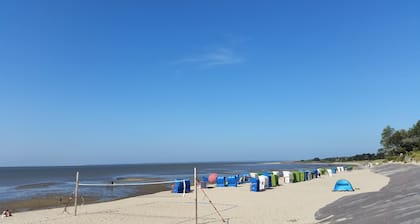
21	183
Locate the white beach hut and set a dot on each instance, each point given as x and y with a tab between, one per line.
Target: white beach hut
329	171
286	177
267	184
263	182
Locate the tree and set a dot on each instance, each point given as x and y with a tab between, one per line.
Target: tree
381	151
414	136
415	130
387	134
400	142
396	142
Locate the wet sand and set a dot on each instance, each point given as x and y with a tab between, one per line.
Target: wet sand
398	202
49	201
63	201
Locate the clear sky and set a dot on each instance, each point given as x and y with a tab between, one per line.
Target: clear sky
94	82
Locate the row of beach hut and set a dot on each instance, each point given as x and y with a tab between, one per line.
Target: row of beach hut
265	180
262	181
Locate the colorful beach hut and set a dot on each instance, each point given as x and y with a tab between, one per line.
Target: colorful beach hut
286	176
263	182
181	186
221	181
330	173
232	181
255	184
307	175
269	183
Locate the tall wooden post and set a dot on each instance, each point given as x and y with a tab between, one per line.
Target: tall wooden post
196	194
76	193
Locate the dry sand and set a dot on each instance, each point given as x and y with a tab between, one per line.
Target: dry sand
289	203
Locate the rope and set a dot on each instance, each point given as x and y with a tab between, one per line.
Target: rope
130	184
220	215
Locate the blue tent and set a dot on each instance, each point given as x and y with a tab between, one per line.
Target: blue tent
343	185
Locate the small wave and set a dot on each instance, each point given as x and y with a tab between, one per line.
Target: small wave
35	186
137	179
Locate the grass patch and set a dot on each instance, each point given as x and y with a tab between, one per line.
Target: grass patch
415	155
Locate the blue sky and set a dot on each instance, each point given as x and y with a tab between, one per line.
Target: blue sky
93	82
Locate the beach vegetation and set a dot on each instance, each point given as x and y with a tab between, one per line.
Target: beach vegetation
400	145
357	157
397	145
415	155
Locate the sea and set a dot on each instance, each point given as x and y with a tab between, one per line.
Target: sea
23	183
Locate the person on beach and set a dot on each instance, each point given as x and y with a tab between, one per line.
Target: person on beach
6	213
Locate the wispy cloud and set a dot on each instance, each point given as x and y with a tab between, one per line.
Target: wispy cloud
219	56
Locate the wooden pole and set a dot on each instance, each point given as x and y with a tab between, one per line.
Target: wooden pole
196	194
76	193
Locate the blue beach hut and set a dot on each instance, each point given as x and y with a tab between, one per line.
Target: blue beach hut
268	175
221	181
179	186
307	175
232	181
255	184
314	174
204	181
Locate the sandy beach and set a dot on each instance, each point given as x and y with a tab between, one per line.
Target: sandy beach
289	203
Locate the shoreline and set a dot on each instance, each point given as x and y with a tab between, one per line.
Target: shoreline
289	203
61	201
